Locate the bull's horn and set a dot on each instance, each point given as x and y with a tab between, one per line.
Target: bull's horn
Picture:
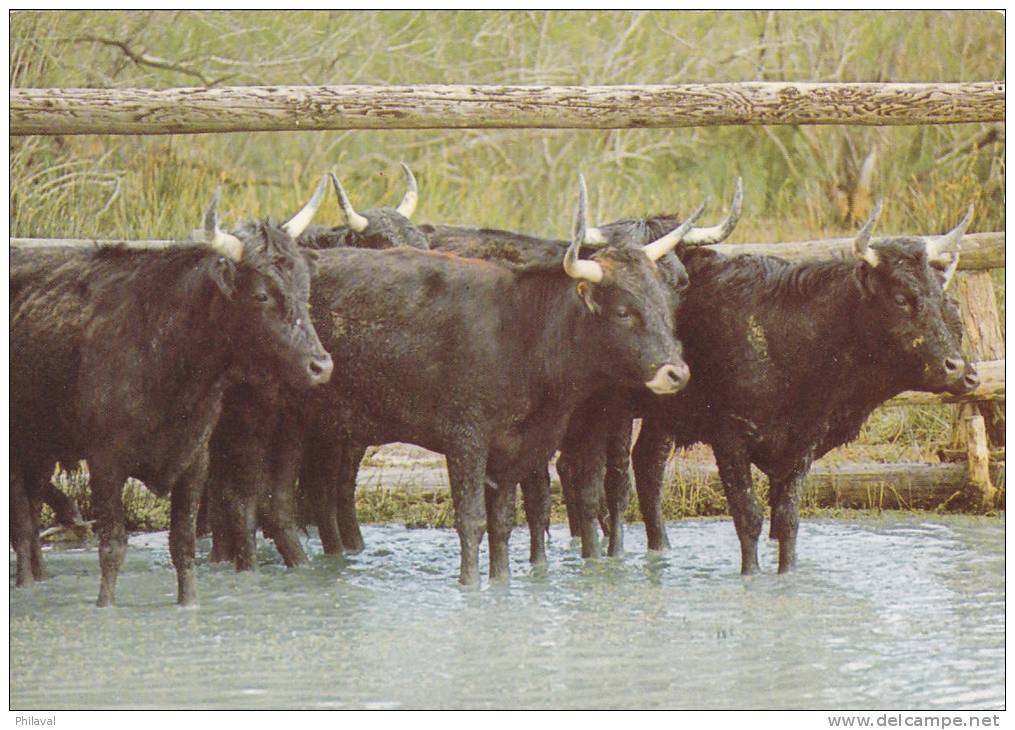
226	244
861	245
949	271
408	205
593	236
662	246
353	219
575	268
938	246
299	222
722	231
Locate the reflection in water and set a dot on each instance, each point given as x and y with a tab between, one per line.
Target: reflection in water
897	611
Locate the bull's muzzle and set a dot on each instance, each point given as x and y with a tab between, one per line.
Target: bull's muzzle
961	375
319	369
669	379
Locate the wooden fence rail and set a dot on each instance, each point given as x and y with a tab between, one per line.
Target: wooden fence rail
979	250
302	108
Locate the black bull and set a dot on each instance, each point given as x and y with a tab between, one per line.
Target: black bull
121	357
257	447
787	362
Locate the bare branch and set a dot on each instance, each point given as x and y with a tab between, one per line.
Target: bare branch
144	59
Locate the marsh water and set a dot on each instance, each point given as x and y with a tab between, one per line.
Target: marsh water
899	611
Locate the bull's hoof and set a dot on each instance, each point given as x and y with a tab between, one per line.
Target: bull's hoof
750	568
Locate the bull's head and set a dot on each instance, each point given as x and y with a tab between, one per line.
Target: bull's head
912	321
622	286
374	228
263	279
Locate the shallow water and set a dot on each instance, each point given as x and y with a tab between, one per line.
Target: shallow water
896	611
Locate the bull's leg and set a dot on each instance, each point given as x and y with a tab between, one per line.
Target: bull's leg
565	470
500	519
735	472
318	480
589	473
280	514
22	525
222	547
650	454
107	502
617	482
185	501
785	494
536	495
241	516
466	472
38	564
204	517
348	525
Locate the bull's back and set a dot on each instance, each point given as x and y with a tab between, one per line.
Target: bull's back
49	315
414	338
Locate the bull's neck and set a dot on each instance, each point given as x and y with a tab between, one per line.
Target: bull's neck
847	358
553	326
189	344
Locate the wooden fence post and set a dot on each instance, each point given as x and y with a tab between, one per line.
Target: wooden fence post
978	425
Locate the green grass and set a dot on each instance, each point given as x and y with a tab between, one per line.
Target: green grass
799	181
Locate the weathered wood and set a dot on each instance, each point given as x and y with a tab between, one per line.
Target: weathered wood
882	486
991	388
278	108
983	340
981	491
979	250
860	486
952	455
980	316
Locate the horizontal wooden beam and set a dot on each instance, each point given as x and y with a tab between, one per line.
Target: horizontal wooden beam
979	250
292	108
860	486
991	388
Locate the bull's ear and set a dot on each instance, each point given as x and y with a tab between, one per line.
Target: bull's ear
584	289
223	273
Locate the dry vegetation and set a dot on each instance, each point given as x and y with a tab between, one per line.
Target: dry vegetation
801	182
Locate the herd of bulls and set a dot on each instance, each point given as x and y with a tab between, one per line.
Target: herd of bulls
204	370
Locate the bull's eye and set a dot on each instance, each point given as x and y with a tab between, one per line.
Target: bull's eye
902	300
622	312
262	297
